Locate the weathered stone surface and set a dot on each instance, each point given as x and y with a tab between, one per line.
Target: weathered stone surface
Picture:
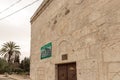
88	31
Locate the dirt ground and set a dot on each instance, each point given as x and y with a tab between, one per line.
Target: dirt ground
14	77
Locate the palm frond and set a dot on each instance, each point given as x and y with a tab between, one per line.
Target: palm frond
3	51
9	48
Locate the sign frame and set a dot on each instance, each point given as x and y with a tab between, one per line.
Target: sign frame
46	51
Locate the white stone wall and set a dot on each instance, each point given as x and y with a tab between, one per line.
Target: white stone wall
87	30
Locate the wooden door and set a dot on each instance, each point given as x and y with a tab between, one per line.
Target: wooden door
72	72
67	71
62	72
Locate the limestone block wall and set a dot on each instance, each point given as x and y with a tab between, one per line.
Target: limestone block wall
87	30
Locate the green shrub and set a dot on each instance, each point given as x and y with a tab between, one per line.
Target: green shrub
3	66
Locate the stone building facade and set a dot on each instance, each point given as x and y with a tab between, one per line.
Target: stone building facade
85	33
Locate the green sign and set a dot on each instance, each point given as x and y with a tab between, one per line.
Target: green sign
46	50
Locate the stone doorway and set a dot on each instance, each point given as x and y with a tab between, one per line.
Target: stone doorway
67	71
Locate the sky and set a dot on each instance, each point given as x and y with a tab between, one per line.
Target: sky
17	27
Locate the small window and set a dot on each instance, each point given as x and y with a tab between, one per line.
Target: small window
64	57
55	21
67	11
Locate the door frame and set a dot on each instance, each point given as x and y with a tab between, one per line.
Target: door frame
56	68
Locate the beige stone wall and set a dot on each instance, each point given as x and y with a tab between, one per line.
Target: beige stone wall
87	30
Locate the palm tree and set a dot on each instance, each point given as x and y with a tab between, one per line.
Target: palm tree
8	50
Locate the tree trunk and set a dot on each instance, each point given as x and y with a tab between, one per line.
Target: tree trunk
9	58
